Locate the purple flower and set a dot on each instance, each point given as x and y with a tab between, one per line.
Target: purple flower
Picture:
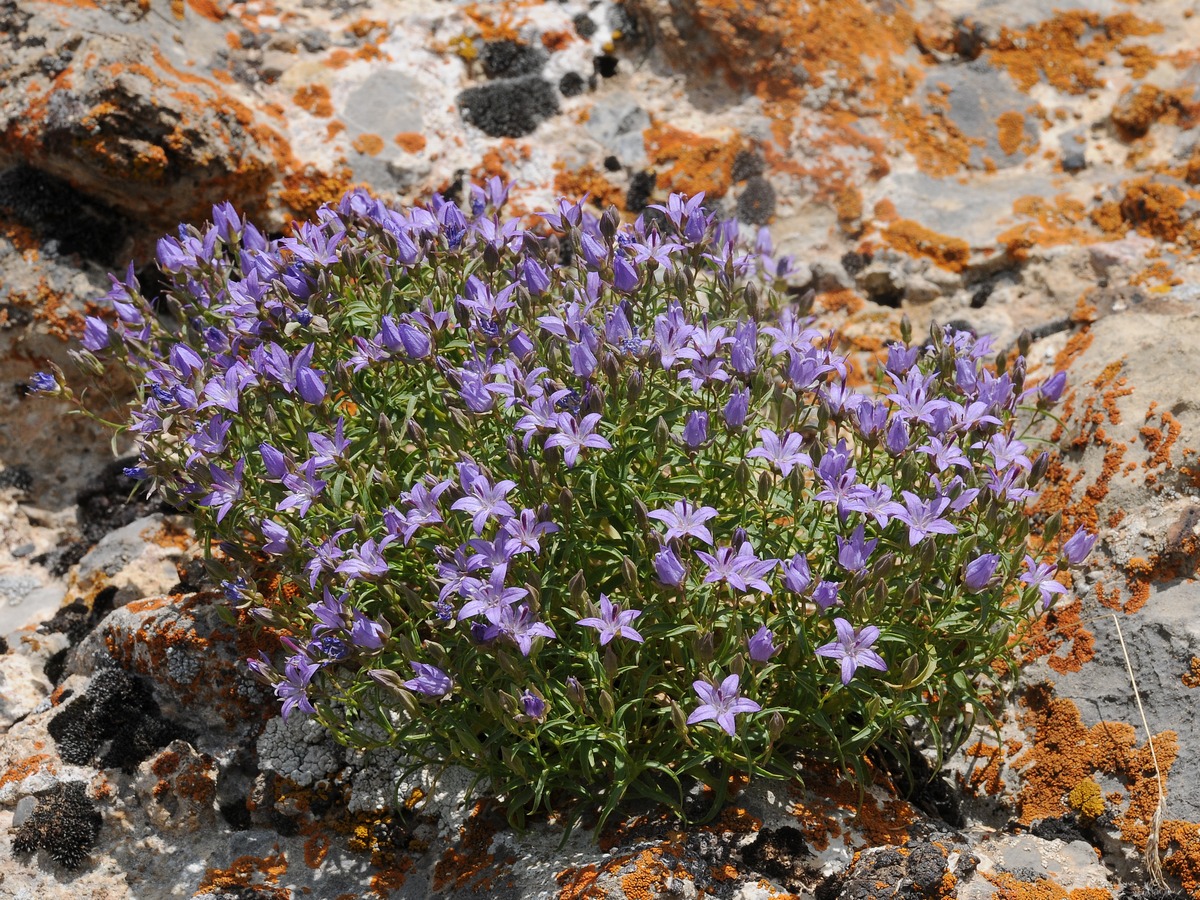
668	568
741	570
474	391
534	276
365	560
430	681
485	501
672	333
979	571
226	489
683	520
1052	388
695	431
737	408
923	517
524	533
743	352
721	703
307	379
424	511
796	574
945	455
871	417
95	334
43	383
518	624
1077	548
328	450
293	690
303	488
854	553
489	597
612	622
1041	576
625	276
784	454
761	645
532	705
366	633
825	594
574	435
852	647
277	537
896	438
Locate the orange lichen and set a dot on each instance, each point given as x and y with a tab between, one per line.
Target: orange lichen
690	162
986	777
1046	223
315	99
412	141
1053	50
1062	626
1011	128
468	862
1191	678
368	144
23	768
315	850
587	180
262	873
915	239
305	190
557	40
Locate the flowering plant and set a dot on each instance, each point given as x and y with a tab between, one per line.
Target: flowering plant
592	513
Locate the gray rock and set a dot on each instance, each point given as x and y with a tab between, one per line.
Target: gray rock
979	96
617	123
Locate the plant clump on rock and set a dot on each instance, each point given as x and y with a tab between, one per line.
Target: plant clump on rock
592	513
65	823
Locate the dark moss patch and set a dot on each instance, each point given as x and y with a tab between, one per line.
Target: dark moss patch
55	211
116	723
512	107
74	620
65	823
510	59
756	205
854	262
3	645
571	84
612	164
641	189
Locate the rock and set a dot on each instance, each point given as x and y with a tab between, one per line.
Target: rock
140	560
22	688
617	123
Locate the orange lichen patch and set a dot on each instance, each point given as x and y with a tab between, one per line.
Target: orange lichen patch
830	157
1152	207
1138	109
1159	277
1011	128
848	301
497	158
30	765
915	239
207	9
649	874
557	40
690	162
1061	627
1053	50
246	871
986	776
827	793
1065	752
411	141
574	183
737	820
1191	678
1046	223
1009	887
315	850
315	99
467	862
391	877
496	21
579	884
305	190
368	144
1159	441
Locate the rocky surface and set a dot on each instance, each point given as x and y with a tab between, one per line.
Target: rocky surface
1005	166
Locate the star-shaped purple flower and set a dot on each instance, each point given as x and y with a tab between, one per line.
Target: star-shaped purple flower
721	703
613	622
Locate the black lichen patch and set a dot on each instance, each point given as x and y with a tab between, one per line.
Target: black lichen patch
606	66
55	211
512	107
65	823
17	477
585	25
571	84
511	59
115	723
778	853
3	645
854	262
756	205
641	189
74	620
747	164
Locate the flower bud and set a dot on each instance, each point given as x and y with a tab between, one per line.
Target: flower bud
629	572
1038	470
741	475
1001	362
662	435
1052	388
593	397
633	388
668	569
978	572
751	295
736	409
641	513
737	666
739	537
678	719
764	486
805	304
1078	546
566	504
1024	339
607	708
937	335
575	691
703	645
610	662
578	589
610	220
1051	528
695	431
906	329
775	726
